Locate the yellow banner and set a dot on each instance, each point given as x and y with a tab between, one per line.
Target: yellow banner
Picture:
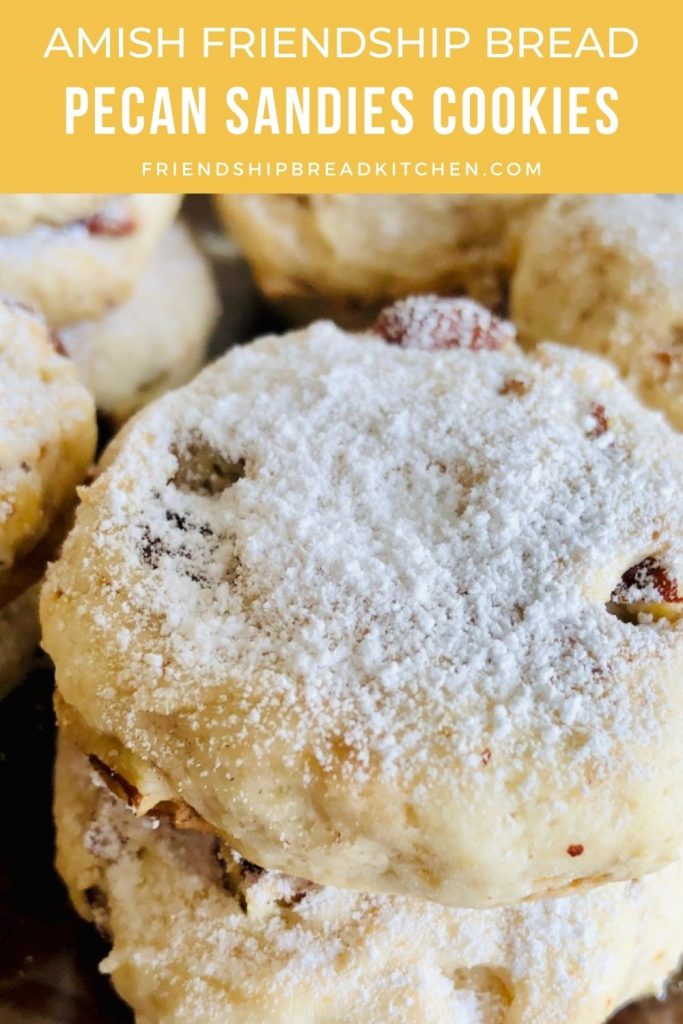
358	97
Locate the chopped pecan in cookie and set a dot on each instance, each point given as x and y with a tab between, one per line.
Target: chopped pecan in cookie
432	323
649	580
108	223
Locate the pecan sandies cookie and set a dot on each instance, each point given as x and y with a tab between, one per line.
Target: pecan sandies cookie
605	273
199	934
78	269
47	440
155	340
345	256
395	611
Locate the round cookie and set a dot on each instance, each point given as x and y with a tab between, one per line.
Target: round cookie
157	338
20	211
199	935
390	611
77	271
47	440
606	273
19	638
345	256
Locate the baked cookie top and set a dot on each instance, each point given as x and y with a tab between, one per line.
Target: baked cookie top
361	600
20	211
47	438
605	272
198	934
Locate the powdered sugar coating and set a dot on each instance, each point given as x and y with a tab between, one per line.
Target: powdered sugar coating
189	947
406	567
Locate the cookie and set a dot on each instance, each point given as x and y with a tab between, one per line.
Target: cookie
606	273
198	934
20	211
77	271
19	637
345	256
155	340
47	440
390	611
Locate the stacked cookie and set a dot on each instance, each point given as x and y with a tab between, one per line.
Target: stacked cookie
47	440
345	256
378	636
130	294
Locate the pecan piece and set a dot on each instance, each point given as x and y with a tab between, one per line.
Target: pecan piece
598	423
57	343
513	386
649	580
650	589
110	224
432	323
